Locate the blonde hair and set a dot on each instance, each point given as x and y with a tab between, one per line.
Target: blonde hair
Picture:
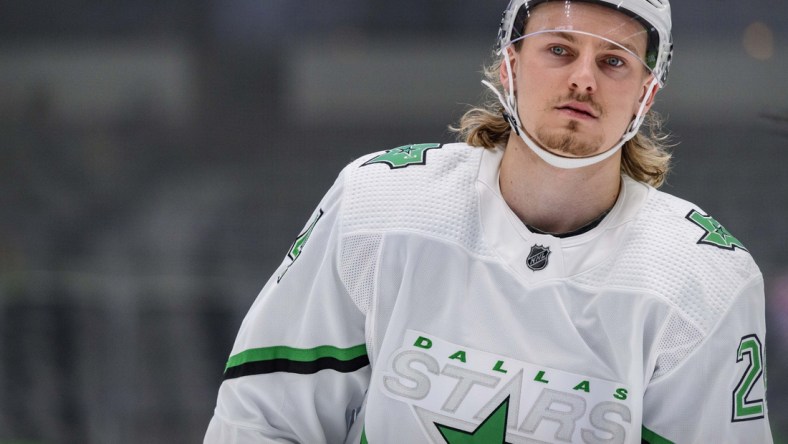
645	158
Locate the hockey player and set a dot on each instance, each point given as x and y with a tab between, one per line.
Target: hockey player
530	285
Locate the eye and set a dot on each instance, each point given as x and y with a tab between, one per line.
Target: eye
558	50
615	62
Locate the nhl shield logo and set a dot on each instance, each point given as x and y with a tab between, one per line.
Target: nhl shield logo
537	258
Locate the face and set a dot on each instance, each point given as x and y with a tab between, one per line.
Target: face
577	93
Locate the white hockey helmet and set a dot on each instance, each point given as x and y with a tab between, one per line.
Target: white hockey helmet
654	15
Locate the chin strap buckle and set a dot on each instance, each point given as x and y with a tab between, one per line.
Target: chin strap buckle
513	123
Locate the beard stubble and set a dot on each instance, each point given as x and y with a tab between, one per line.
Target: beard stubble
565	140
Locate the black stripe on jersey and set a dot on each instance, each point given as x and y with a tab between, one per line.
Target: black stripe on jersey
299	367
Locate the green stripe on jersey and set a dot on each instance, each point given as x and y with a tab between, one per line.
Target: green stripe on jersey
296	354
364	436
649	437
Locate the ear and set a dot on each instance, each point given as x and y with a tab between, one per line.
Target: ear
504	71
651	87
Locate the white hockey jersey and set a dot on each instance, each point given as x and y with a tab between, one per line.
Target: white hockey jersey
415	307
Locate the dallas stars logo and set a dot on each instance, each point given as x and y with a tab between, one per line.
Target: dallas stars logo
298	244
716	234
491	431
404	156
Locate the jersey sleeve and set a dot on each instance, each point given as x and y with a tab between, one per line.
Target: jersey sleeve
298	370
717	393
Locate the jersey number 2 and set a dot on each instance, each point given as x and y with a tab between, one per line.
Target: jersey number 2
745	409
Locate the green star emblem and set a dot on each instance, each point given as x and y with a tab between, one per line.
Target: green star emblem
298	244
404	156
716	234
491	431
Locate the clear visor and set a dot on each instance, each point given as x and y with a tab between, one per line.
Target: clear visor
571	29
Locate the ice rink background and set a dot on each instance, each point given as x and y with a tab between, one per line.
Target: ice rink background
157	158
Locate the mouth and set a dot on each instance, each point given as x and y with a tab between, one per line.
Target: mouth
578	110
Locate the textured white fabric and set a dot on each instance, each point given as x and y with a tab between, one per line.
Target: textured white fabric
436	201
679	339
359	256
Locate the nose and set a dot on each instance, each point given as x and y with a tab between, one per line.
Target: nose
582	78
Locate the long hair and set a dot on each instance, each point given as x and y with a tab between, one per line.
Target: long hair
645	157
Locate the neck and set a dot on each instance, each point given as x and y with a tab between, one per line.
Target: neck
556	200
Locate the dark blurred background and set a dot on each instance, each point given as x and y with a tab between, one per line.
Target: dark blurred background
158	157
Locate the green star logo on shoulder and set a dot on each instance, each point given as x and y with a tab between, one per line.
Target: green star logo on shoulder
298	244
404	156
491	431
716	234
